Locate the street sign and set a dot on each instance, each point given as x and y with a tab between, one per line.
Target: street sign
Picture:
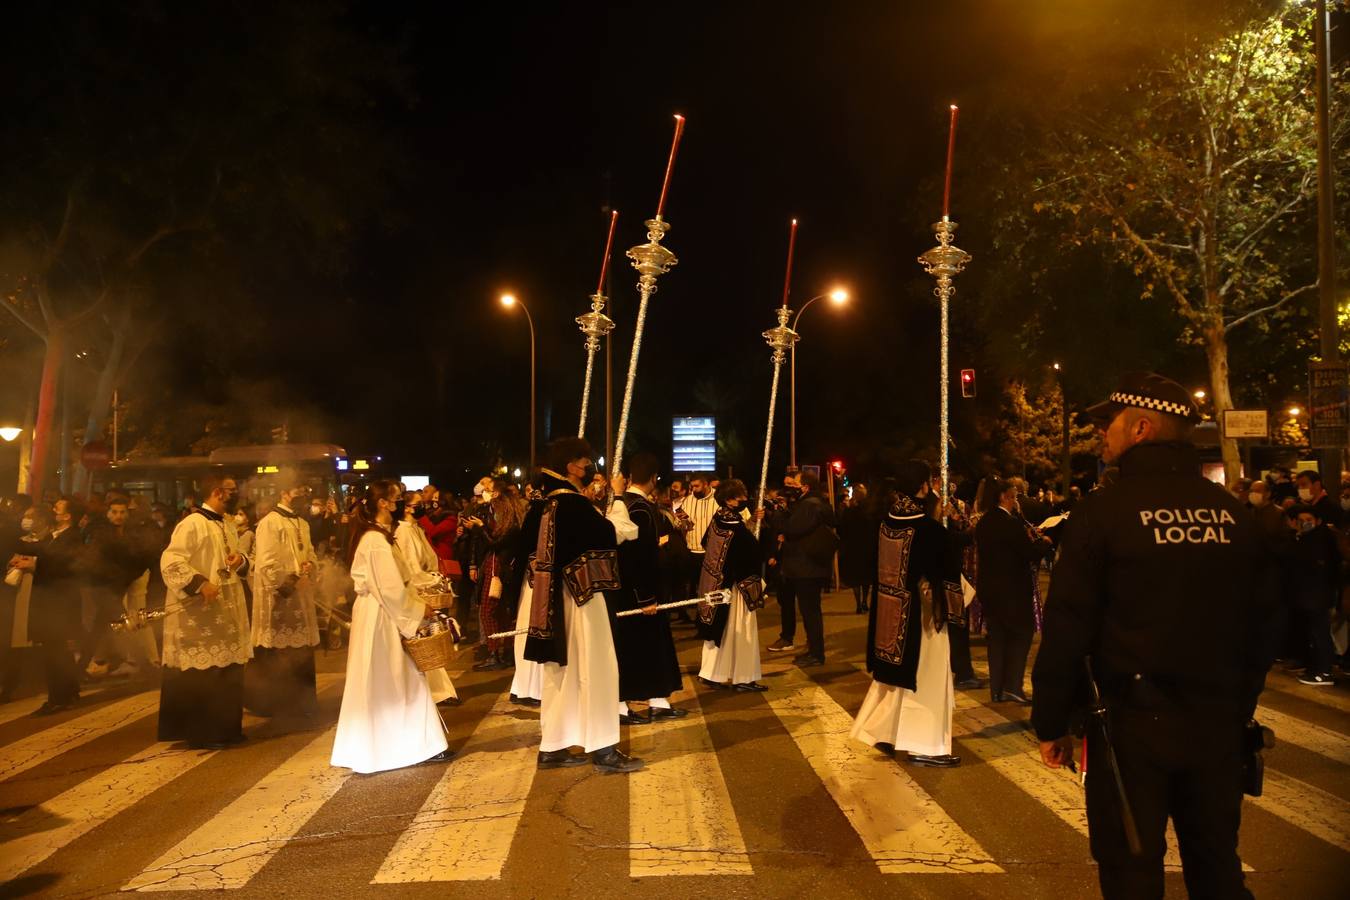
95	455
1327	413
1246	423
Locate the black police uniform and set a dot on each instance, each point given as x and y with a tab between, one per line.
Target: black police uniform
1164	581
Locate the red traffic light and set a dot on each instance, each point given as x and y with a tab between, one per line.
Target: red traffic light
967	382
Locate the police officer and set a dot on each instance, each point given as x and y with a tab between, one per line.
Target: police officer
1163	582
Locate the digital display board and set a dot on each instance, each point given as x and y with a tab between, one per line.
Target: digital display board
694	439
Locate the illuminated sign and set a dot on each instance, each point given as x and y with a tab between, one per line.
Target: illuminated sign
342	464
415	482
359	465
268	470
694	439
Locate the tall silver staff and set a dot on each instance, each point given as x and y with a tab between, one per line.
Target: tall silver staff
651	260
595	325
781	340
944	262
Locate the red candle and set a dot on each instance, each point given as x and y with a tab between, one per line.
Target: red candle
947	184
670	166
609	243
787	278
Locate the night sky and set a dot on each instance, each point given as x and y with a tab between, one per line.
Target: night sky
519	125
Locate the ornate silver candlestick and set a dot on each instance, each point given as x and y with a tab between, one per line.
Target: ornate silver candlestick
780	339
944	262
594	325
651	260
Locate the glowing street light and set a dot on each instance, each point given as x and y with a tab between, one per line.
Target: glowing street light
837	296
9	433
1295	411
1200	394
509	300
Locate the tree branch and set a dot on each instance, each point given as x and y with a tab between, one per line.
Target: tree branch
1297	292
1244	247
23	317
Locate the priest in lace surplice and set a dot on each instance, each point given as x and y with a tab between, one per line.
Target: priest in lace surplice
206	631
279	680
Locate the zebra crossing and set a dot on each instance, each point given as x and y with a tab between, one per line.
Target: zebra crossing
683	815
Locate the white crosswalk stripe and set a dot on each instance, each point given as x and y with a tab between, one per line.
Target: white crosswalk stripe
217	855
900	824
681	816
679	809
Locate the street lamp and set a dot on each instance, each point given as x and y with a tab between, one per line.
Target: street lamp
510	300
838	297
1200	394
9	433
1295	411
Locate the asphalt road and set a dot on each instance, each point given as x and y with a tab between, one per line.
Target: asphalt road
754	795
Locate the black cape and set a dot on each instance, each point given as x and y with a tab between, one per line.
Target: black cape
648	664
731	560
915	556
574	546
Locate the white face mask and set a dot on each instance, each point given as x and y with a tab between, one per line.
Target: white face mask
1305	494
26	524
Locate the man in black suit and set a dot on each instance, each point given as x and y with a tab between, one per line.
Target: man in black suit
1007	553
56	561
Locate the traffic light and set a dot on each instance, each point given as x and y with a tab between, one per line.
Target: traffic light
967	382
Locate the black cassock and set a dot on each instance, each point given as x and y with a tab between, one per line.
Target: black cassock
644	645
731	560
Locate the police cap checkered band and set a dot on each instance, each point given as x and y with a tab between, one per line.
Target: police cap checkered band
1167	406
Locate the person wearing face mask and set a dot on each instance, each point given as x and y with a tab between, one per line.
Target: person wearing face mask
909	705
731	632
55	558
1269	516
388	719
575	564
1165	584
206	628
1315	562
424	565
1312	493
279	680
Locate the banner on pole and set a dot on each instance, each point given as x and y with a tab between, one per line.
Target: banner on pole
1328	421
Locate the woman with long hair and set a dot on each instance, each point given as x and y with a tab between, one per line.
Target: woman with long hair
422	561
388	718
498	580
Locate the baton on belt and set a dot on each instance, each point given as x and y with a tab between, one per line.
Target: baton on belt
1098	712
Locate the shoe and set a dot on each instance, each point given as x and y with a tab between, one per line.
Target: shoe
444	756
611	761
1317	680
666	712
995	696
714	685
632	718
209	745
779	646
935	762
96	669
560	759
749	687
808	661
125	670
524	701
1016	697
50	709
969	684
450	701
491	664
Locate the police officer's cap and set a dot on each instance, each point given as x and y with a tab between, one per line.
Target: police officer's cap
1146	390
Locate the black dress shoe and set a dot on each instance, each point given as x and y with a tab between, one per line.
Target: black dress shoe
969	684
450	701
666	712
632	718
444	756
715	685
995	696
946	761
807	661
611	761
50	709
1017	697
750	686
560	759
524	701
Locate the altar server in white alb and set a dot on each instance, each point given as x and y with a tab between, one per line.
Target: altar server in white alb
411	540
731	560
575	562
909	706
388	719
206	633
279	680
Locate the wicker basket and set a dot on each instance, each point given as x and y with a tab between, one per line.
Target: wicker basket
438	600
431	652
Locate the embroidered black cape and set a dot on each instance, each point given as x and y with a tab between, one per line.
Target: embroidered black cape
916	562
730	560
571	545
